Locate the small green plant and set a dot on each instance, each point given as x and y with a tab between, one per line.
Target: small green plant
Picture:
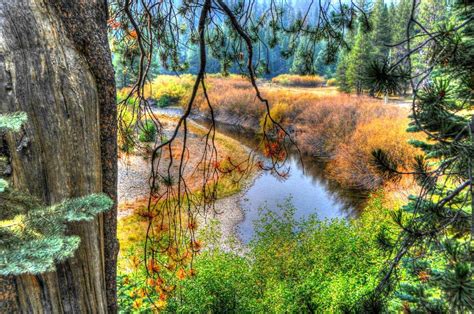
148	132
167	100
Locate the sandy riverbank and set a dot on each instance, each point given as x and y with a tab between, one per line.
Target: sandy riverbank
133	185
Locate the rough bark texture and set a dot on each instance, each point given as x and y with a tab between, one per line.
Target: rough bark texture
86	25
65	85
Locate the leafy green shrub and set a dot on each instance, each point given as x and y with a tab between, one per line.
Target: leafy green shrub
312	265
147	132
167	100
293	266
224	283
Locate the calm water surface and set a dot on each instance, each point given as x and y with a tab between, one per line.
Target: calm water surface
308	193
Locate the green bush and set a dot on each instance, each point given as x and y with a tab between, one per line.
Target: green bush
147	132
167	100
224	283
313	265
292	267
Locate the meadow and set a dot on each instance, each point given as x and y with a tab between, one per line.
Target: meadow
342	128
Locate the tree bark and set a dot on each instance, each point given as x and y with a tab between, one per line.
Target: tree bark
55	66
86	25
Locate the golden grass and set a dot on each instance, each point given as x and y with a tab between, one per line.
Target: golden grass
353	165
299	80
327	123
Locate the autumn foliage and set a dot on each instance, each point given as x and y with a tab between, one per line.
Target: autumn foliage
341	128
353	164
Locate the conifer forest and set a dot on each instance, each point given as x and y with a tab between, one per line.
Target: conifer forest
236	156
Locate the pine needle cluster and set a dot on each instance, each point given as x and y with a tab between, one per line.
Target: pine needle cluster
33	236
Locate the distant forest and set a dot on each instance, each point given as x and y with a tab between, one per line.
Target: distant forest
373	37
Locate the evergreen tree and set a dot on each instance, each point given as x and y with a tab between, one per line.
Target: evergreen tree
324	64
341	72
432	12
437	226
381	34
359	59
303	61
400	20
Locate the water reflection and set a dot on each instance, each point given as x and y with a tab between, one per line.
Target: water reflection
309	194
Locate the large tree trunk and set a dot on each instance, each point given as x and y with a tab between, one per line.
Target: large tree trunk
55	66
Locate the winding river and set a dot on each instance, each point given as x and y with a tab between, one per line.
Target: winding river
307	188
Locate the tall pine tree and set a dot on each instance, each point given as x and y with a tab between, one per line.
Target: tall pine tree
381	33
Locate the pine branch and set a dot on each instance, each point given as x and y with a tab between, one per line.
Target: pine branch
12	121
33	236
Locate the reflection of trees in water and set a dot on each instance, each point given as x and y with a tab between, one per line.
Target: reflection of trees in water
352	199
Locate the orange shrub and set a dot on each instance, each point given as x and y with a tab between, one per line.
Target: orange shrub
233	101
324	123
353	164
299	80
